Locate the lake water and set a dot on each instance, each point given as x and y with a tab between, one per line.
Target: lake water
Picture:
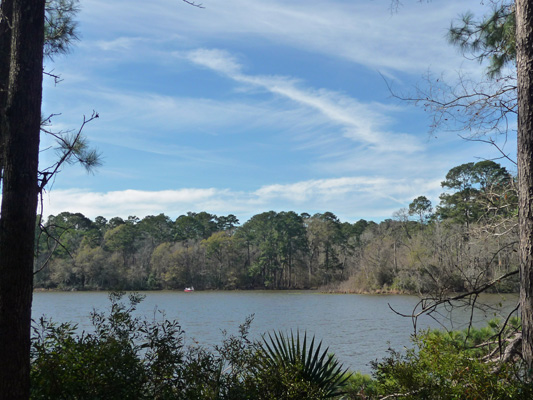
357	328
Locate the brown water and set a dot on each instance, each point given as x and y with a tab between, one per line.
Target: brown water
357	328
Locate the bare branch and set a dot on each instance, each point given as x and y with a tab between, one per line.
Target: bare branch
492	142
57	78
193	4
429	305
473	109
48	258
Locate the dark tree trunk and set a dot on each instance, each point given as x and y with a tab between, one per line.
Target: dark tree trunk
20	119
6	8
524	48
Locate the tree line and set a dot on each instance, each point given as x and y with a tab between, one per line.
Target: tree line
503	38
276	250
467	240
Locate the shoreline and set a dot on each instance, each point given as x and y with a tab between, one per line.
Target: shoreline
376	292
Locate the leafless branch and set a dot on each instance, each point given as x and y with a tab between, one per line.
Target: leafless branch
480	108
56	240
429	305
48	258
57	78
193	4
492	142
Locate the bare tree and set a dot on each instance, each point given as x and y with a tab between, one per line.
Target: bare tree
485	109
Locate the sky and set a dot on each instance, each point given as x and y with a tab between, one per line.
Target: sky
246	106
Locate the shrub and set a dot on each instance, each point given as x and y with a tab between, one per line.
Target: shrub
127	357
450	365
107	363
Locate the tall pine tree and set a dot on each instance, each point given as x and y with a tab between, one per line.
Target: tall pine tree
21	60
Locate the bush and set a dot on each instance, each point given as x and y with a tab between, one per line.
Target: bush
127	357
447	365
132	358
107	363
360	386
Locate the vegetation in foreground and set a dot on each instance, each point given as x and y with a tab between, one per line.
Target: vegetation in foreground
470	364
127	357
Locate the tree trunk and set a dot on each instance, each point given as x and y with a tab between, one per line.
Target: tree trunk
524	51
6	9
20	119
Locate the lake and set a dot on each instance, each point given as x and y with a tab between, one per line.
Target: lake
357	328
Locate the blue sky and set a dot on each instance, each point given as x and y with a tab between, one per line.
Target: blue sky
248	106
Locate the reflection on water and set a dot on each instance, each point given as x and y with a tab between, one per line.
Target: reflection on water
357	328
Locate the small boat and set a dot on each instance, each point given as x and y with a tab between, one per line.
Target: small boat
189	289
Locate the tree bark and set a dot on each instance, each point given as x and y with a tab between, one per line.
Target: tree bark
524	51
20	117
6	9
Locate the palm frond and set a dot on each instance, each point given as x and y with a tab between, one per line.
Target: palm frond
317	366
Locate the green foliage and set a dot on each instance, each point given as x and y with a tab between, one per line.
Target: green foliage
471	241
104	364
360	386
222	249
421	207
280	240
128	357
73	148
120	238
195	226
156	229
294	370
492	37
449	365
60	27
327	244
481	190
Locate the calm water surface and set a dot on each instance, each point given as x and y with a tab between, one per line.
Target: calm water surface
357	328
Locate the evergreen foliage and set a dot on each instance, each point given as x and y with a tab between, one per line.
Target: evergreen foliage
128	357
492	37
291	356
469	241
60	28
447	365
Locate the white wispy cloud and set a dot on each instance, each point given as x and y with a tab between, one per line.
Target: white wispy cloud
360	122
351	197
120	43
151	112
336	190
364	32
196	128
171	125
218	60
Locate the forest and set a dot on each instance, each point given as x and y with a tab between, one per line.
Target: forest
468	241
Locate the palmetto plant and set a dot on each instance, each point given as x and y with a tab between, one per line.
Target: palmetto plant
283	353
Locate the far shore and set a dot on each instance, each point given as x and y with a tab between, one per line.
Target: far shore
377	292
